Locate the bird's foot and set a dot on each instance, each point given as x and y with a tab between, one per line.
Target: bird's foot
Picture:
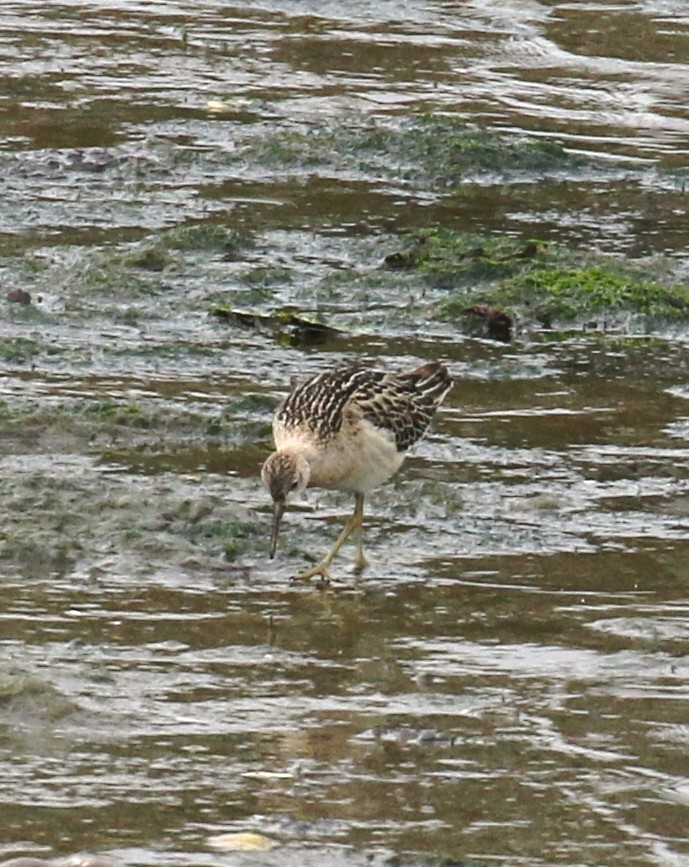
360	564
321	570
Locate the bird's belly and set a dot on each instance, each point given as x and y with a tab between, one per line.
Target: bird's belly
358	462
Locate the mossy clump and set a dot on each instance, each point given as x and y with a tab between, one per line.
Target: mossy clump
135	272
122	414
148	258
26	693
445	150
552	295
448	259
245	419
264	276
234	537
442	151
496	280
205	237
299	149
249	403
18	350
569	293
499	278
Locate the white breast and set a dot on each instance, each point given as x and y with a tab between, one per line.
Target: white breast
358	460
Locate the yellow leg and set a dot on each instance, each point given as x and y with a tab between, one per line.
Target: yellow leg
353	524
361	562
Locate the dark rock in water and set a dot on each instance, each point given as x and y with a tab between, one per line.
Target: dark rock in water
18	296
496	324
400	261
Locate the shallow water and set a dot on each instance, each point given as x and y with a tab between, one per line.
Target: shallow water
507	684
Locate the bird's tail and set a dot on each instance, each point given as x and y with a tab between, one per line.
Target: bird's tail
432	381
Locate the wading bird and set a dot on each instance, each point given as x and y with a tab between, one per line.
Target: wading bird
348	429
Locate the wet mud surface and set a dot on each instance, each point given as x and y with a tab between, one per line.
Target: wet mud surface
507	682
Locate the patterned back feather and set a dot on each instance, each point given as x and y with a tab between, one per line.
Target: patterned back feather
405	403
401	403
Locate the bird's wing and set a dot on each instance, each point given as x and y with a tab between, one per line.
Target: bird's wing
402	404
317	407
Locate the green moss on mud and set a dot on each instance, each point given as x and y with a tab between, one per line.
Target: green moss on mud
551	294
37	558
568	293
237	538
535	280
151	258
449	259
87	424
134	273
234	538
29	694
263	277
438	150
18	350
445	150
124	414
146	267
205	237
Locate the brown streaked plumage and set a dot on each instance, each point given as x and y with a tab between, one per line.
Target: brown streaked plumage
348	429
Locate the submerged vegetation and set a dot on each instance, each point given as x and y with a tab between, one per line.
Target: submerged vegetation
565	294
534	280
18	349
211	237
449	259
440	151
210	262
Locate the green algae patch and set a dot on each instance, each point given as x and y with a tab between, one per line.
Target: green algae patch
262	277
206	237
296	148
166	250
123	414
493	279
235	538
562	294
151	258
247	418
90	426
445	150
29	696
18	350
132	273
440	151
38	558
139	271
448	259
551	295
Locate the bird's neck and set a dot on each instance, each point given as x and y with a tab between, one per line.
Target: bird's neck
297	448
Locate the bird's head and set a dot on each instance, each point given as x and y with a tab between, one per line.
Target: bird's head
283	474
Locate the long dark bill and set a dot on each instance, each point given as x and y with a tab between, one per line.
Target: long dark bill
278	509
